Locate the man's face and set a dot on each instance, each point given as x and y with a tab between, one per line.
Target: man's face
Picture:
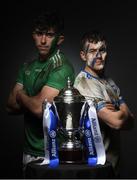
45	41
95	54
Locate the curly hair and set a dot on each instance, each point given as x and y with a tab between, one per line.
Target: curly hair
47	20
92	36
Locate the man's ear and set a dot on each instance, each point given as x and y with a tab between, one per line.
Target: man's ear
83	55
60	39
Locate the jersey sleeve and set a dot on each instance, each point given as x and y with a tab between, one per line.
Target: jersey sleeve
20	74
58	77
117	91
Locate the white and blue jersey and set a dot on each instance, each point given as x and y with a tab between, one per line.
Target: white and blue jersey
102	90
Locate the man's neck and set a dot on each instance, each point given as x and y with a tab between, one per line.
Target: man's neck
43	57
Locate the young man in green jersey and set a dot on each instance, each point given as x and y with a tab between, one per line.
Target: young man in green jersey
40	79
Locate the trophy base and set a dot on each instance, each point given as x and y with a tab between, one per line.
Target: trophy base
72	156
72	162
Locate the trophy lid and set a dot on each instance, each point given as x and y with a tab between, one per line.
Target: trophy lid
69	94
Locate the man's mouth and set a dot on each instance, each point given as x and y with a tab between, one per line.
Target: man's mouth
43	47
98	61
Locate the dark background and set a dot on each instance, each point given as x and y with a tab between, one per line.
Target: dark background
116	19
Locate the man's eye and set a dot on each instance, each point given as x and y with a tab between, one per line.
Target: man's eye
92	51
50	34
102	50
38	33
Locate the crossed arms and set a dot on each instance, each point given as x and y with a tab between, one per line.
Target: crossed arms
117	119
19	101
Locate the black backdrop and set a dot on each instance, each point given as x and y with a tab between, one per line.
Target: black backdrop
116	19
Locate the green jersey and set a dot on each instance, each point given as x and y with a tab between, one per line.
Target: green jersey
33	76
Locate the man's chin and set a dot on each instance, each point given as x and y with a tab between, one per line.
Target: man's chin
100	68
44	53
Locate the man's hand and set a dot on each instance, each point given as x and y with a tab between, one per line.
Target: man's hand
12	106
117	119
34	103
18	96
110	106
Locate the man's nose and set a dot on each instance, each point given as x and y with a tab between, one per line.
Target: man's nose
43	39
98	55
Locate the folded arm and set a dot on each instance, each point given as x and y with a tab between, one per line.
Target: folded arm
117	119
12	106
34	103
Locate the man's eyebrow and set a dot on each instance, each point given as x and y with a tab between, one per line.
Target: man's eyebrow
103	46
37	31
50	32
92	48
44	32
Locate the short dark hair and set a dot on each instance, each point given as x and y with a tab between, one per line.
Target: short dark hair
92	36
47	20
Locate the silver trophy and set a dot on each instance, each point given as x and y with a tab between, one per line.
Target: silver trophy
69	103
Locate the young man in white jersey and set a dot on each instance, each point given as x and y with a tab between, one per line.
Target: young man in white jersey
112	111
